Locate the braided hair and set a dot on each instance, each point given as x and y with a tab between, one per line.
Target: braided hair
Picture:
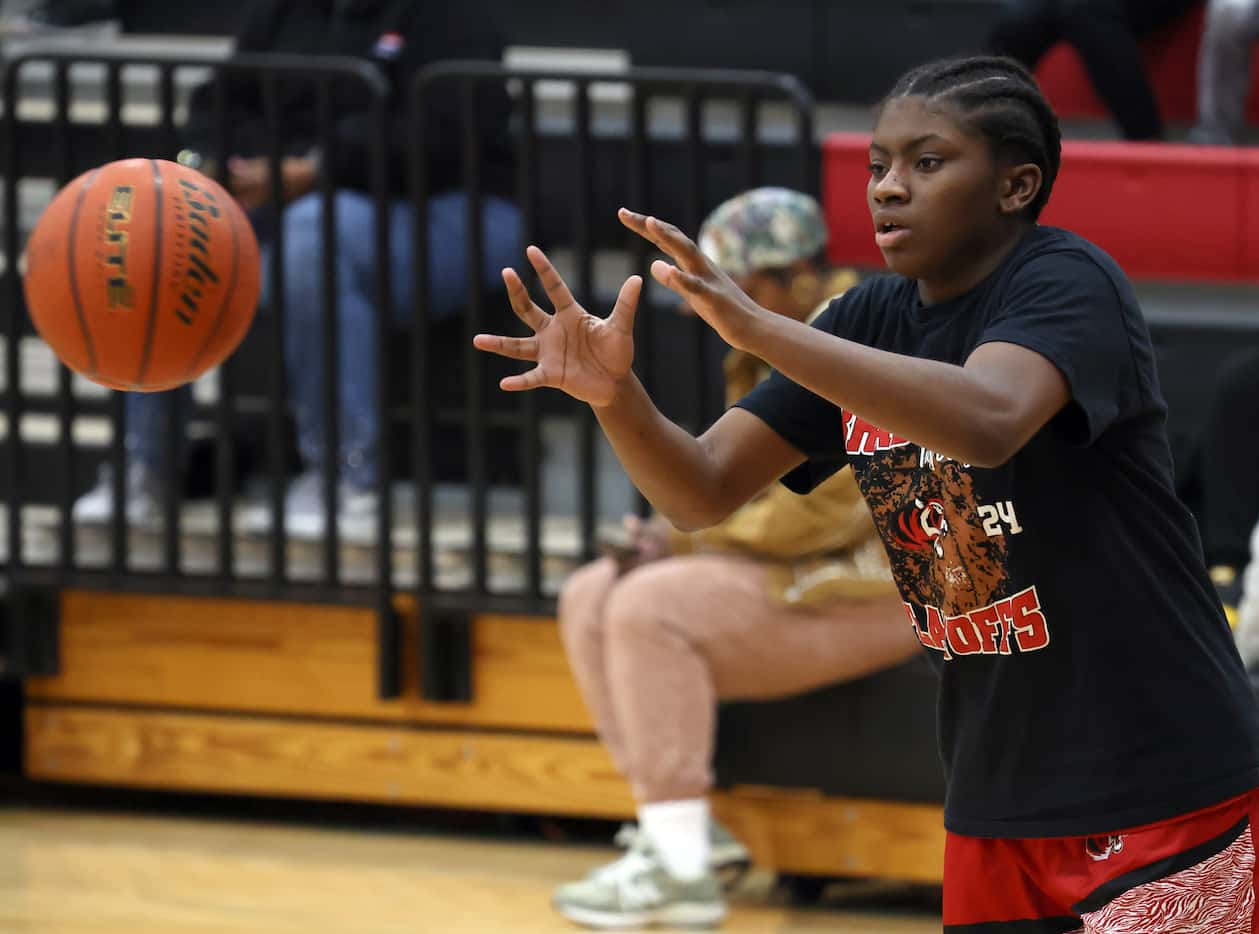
999	98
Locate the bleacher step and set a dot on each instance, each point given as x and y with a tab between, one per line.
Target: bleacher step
452	538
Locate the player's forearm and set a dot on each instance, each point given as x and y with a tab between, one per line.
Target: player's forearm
669	466
940	406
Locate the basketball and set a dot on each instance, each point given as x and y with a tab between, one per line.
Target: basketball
142	274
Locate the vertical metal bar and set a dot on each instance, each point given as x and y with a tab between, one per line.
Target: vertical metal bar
581	237
421	414
694	204
639	182
172	494
388	628
172	440
13	318
166	104
67	455
749	130
113	110
277	394
810	180
119	460
691	219
475	365
224	441
329	312
531	441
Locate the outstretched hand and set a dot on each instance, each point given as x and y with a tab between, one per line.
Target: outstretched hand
707	290
574	351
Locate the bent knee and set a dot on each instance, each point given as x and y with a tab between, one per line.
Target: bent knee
582	597
649	597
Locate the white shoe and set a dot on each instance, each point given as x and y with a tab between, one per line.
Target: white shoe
637	892
96	506
305	518
728	859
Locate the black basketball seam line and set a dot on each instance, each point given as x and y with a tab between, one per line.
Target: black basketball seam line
157	275
74	275
227	295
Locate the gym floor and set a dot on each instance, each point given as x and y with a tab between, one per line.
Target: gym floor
87	871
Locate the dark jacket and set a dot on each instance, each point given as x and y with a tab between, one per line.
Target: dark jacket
399	37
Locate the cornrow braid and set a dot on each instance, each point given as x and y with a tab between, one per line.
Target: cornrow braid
1000	99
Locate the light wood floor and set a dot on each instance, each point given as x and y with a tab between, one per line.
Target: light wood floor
70	872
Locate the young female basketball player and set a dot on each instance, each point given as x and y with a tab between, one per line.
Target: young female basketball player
997	398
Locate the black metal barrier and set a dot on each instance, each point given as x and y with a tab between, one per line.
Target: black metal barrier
571	171
59	146
568	208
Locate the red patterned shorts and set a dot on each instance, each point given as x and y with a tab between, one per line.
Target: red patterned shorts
1194	874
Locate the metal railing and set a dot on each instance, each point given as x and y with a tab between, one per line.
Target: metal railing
443	614
690	150
614	146
63	145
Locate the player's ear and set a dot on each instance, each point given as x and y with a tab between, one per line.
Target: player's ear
1019	186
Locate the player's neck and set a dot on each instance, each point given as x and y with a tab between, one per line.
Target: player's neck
966	276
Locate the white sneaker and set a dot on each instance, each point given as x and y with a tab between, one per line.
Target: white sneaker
638	892
96	506
304	516
727	857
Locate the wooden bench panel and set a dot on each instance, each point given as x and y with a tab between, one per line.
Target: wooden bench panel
309	660
197	752
806	833
787	831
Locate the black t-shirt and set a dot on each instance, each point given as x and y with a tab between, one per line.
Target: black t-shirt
1089	681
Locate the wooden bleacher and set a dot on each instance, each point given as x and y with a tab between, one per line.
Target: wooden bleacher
273	699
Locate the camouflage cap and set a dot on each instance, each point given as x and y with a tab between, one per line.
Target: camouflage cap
765	228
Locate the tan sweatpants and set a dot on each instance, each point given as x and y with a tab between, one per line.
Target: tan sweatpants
655	650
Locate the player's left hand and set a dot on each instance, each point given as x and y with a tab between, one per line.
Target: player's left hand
707	290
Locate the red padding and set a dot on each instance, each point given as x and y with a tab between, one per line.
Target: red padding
845	171
1164	212
1174	213
1250	213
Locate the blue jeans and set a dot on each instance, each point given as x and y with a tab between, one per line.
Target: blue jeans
355	259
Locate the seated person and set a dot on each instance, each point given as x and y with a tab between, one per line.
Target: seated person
789	594
1232	29
1105	34
400	38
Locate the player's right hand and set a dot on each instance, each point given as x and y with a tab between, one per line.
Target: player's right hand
574	351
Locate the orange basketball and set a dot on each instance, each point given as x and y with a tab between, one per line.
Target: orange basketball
142	274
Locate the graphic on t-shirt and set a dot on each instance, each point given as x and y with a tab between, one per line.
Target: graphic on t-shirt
920	526
947	548
999	628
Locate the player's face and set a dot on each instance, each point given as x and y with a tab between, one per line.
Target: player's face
934	196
